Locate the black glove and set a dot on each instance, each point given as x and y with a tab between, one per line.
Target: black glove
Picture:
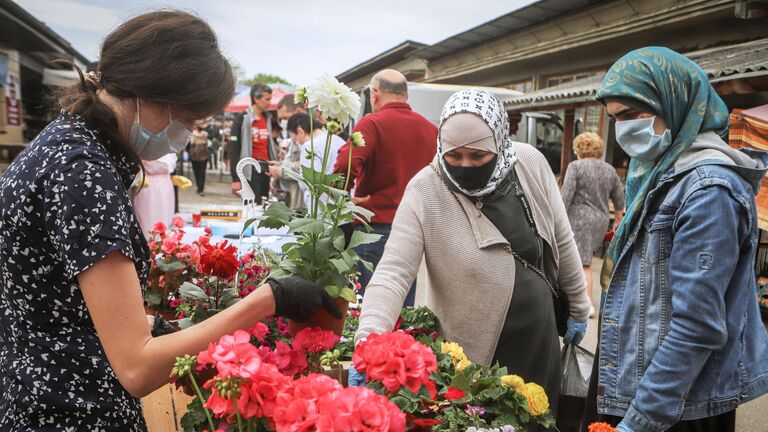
297	299
161	327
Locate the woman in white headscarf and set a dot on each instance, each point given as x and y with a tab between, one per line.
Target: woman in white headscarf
484	214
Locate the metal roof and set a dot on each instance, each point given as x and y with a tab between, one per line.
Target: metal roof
387	58
720	63
524	17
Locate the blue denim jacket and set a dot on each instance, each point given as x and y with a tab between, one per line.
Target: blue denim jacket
681	335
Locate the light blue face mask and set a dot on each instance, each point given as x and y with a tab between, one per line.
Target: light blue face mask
639	141
151	146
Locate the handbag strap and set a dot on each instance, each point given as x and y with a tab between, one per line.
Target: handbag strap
523	261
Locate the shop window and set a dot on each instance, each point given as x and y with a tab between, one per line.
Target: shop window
562	79
521	86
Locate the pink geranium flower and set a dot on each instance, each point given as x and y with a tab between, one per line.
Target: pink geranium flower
289	361
169	245
315	339
178	222
159	227
233	356
358	409
395	359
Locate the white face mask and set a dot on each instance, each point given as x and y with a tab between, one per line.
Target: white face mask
638	139
151	146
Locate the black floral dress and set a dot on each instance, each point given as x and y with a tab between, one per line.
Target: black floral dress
63	207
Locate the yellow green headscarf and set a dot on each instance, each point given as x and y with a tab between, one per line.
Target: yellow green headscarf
677	90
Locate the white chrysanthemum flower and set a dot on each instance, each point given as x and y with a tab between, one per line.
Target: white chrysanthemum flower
333	99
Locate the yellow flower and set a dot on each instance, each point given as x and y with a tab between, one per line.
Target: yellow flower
181	181
538	403
456	352
513	381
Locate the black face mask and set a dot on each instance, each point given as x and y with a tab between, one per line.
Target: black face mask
472	178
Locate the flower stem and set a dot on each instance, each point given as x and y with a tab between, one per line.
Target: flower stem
312	208
349	166
237	414
202	400
323	175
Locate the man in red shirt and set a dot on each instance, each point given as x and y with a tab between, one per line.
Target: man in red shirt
398	143
252	137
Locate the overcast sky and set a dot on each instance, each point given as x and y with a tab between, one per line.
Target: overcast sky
296	39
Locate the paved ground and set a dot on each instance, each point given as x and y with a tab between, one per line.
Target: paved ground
752	417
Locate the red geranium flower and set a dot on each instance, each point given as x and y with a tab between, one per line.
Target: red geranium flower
314	339
454	393
396	360
219	260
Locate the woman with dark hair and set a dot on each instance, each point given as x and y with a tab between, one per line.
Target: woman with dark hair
76	352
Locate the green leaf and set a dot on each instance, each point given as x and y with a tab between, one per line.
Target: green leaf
340	265
171	266
192	291
339	241
306	225
153	298
277	215
337	193
332	290
367	264
250	222
324	248
185	323
362	238
460	382
364	212
348	294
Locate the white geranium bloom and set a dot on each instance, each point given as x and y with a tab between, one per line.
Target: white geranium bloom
333	99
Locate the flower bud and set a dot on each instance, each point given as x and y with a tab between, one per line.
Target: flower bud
357	139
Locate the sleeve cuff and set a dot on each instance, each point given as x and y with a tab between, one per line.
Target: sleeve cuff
638	423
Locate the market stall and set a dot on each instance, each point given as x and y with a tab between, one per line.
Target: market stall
749	129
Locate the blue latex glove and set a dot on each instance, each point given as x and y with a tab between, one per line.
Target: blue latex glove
623	428
356	379
576	331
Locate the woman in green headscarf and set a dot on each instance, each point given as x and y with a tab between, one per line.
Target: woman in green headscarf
681	340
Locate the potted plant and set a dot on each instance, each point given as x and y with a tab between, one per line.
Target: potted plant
171	265
320	252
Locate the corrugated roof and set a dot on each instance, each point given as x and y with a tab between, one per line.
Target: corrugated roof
720	63
725	61
524	17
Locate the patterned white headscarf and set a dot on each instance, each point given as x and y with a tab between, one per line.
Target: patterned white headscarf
491	110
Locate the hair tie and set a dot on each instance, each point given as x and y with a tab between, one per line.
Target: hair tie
94	78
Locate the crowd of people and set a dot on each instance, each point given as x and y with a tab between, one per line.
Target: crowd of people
681	343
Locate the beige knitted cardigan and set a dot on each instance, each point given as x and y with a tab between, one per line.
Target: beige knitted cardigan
470	270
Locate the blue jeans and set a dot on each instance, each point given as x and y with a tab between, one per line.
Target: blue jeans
373	253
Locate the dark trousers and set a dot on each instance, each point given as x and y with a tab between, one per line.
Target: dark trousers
725	422
198	167
260	182
373	253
